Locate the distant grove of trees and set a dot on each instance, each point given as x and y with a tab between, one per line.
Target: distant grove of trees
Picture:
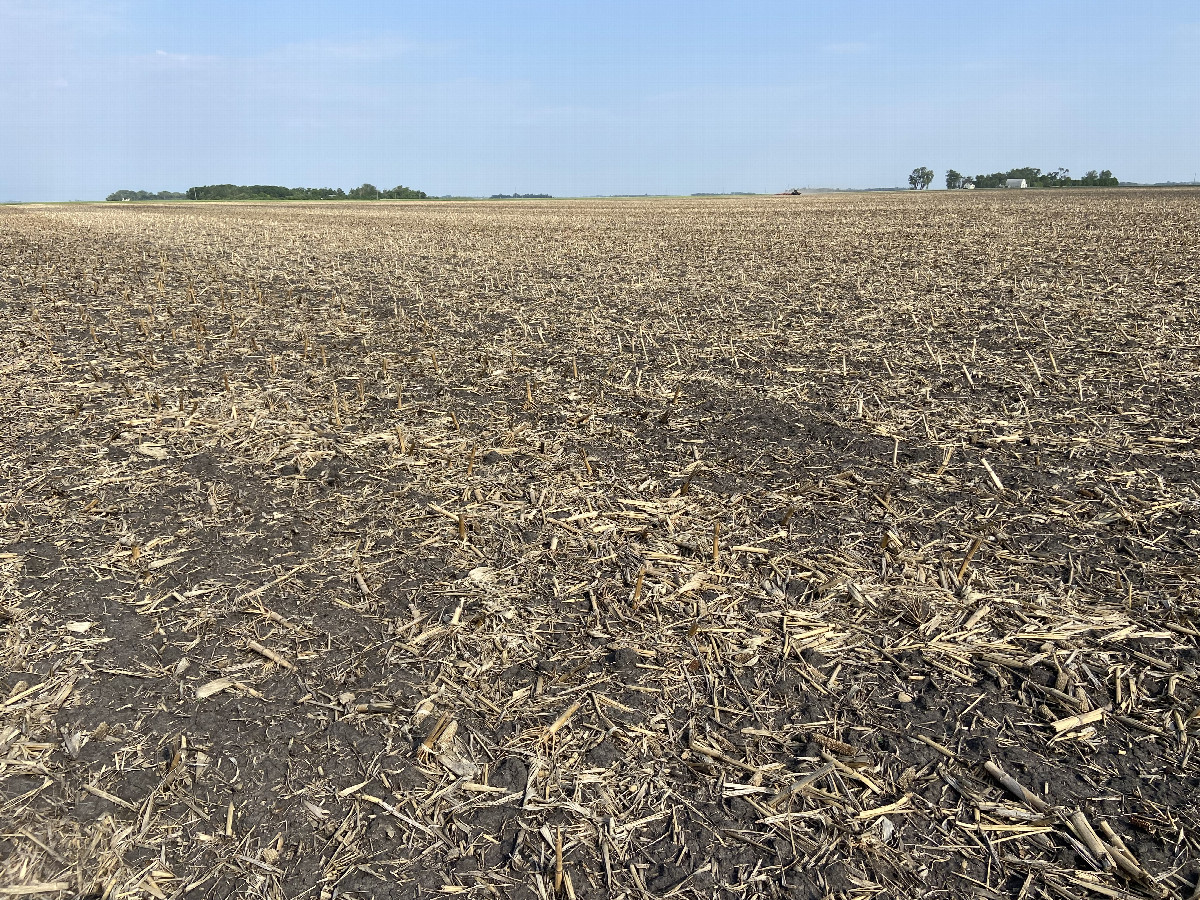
370	192
262	192
1034	178
521	197
144	195
273	192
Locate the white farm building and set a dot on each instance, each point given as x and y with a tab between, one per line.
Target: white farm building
1016	183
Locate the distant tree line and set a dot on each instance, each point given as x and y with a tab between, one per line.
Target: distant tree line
262	192
144	195
370	192
1034	178
273	192
520	197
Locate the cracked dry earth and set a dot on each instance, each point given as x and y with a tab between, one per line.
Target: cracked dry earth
837	546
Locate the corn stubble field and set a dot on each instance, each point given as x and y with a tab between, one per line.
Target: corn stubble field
829	546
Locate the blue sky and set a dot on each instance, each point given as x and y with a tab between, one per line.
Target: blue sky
579	98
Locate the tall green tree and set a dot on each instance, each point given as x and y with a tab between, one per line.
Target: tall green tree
920	178
953	180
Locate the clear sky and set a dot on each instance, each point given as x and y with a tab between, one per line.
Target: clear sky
579	98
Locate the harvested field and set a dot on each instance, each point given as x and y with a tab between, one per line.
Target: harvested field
785	547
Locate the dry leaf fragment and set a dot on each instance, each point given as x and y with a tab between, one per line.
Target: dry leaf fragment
213	687
317	812
482	575
694	583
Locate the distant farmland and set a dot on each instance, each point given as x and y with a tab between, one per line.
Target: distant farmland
762	547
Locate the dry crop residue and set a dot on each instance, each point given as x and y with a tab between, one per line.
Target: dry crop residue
786	547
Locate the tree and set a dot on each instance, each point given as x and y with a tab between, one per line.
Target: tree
953	180
277	192
1031	174
1060	177
145	195
920	178
400	192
